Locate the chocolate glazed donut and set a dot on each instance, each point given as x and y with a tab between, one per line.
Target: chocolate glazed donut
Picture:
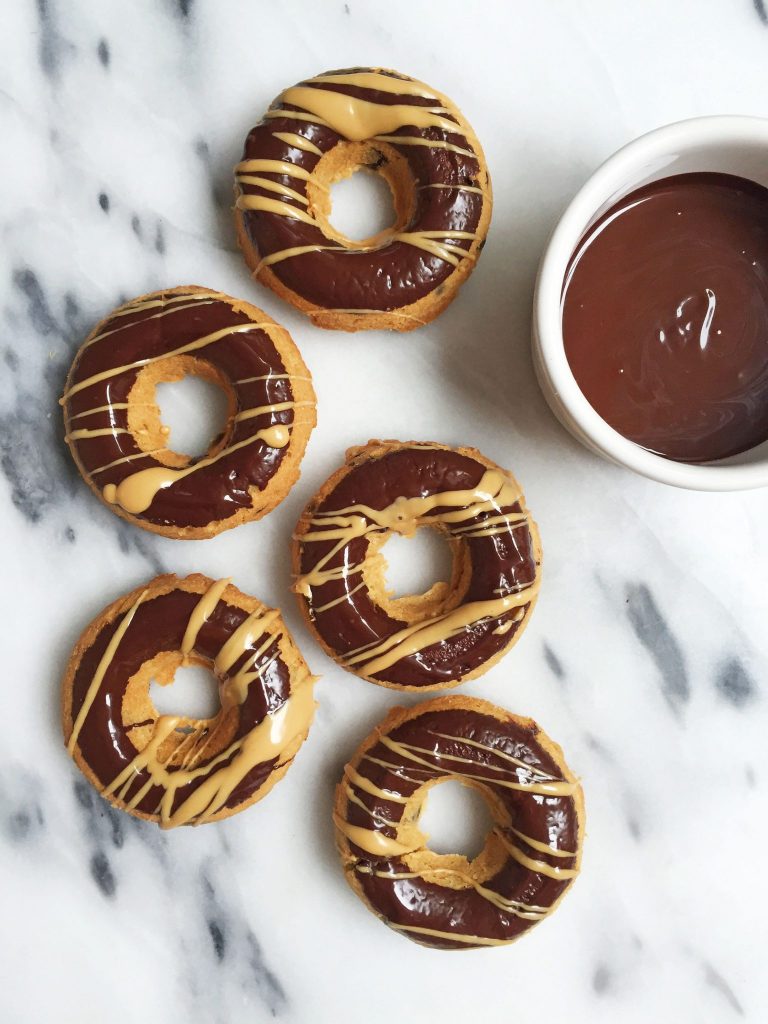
322	130
167	768
455	631
531	856
113	425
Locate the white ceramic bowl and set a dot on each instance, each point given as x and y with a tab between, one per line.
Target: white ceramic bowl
730	145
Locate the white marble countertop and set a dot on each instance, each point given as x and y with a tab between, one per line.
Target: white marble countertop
646	657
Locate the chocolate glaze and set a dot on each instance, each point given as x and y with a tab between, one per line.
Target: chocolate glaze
385	278
548	819
665	316
215	492
505	562
159	625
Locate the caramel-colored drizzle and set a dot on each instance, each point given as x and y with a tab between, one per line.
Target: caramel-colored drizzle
99	408
316	313
456	188
101	669
415	140
470	940
356	120
271	377
125	458
533	863
137	492
494	492
84	433
536	785
374	843
177	303
298	142
202	612
191	346
436	243
266	741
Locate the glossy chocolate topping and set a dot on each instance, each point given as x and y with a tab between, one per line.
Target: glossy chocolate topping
145	332
665	316
538	829
286	146
482	508
256	684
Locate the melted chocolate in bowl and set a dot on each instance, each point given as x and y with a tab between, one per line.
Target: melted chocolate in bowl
665	316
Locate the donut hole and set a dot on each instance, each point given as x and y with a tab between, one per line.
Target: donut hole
204	726
417	563
456	819
191	693
455	832
194	411
418	575
367	208
362	205
198	407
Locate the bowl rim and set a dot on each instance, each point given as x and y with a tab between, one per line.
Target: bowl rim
714	130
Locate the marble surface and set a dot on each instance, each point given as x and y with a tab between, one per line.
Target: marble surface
646	657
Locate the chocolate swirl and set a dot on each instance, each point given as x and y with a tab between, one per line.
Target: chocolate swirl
531	856
177	770
186	330
397	118
389	486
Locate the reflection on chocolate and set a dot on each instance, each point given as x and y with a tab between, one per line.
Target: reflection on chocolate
665	316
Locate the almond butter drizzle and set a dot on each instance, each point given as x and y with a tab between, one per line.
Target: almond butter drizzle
101	669
378	81
536	787
494	492
414	140
298	142
136	492
139	307
474	940
84	433
272	376
533	864
365	784
202	612
373	842
125	458
267	740
191	346
420	635
357	120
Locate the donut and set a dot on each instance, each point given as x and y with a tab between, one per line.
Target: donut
456	630
324	129
531	855
171	769
116	437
